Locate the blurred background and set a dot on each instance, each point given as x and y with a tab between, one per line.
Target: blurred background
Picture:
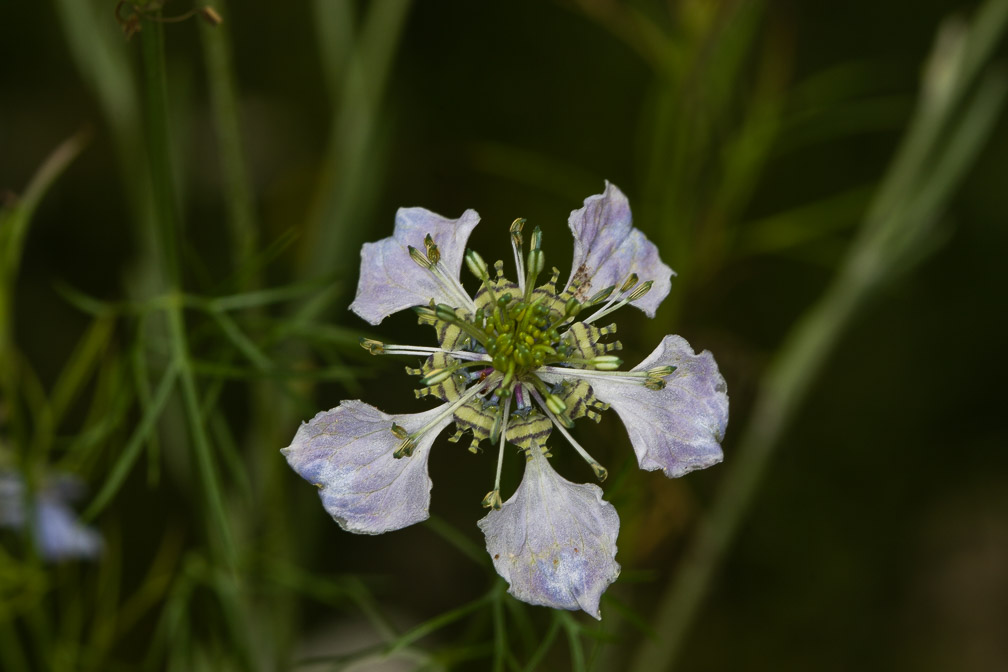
184	192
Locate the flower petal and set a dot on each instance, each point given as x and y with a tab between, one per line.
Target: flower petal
554	541
677	429
391	281
347	453
61	535
58	532
607	248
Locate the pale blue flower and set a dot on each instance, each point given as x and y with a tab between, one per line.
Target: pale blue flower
513	362
57	531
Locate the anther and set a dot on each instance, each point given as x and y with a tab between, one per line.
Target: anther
641	291
492	500
606	362
433	254
630	282
601	296
373	346
437	376
405	449
400	432
536	238
572	307
555	403
417	256
516	231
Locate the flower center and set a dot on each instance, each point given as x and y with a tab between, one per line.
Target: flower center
522	336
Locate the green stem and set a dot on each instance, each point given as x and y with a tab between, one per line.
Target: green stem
159	150
224	102
218	531
347	181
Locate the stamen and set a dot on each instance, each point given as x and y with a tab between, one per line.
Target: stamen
409	444
613	305
631	377
432	262
517	245
433	254
436	376
493	498
600	471
379	348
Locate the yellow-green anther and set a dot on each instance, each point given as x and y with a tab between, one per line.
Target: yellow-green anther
516	231
492	500
438	375
536	238
600	472
555	403
476	264
445	312
606	362
405	448
372	346
433	254
399	432
425	311
641	291
661	371
654	384
601	296
417	256
572	307
630	282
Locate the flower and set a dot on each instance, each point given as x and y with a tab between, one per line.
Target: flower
513	362
58	532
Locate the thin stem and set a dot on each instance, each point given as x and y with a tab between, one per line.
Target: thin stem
224	102
503	440
425	351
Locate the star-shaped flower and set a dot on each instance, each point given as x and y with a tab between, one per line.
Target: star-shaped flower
514	362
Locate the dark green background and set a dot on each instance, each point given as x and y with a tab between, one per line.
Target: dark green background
879	539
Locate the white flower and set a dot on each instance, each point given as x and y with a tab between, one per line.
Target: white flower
513	362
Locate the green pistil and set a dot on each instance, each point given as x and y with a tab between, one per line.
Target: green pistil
520	336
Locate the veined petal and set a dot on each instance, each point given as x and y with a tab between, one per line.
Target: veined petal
607	248
677	429
554	541
347	453
391	281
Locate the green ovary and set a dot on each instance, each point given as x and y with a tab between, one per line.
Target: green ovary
522	336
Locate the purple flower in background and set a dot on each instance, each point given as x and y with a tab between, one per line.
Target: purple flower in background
57	531
514	362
